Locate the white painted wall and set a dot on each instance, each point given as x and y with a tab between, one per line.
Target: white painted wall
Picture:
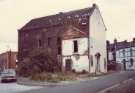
68	46
97	43
98	40
110	55
68	50
78	65
120	57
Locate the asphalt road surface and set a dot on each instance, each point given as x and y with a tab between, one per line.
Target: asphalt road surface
89	86
15	88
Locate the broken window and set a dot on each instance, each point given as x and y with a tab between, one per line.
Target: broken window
39	43
49	41
58	41
75	46
59	50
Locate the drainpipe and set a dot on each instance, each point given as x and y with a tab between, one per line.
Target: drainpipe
89	47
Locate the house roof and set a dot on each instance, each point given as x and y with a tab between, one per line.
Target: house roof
121	45
125	44
59	19
5	53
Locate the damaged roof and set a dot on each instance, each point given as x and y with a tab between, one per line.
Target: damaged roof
58	19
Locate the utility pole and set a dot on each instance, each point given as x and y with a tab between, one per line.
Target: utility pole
9	58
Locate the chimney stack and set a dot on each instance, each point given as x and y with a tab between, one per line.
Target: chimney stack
133	39
94	5
125	41
108	42
115	41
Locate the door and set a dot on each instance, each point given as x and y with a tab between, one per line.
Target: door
68	66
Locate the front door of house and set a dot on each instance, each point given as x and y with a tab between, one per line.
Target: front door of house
68	66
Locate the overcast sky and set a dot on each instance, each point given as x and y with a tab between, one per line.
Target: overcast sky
118	15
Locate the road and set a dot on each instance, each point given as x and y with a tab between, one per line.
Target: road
89	86
15	88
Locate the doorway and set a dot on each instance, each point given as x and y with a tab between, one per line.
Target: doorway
68	64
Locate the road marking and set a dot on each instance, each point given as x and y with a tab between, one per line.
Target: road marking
104	90
114	86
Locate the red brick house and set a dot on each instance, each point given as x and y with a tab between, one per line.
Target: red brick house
8	60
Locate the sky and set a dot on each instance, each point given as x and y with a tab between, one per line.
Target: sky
118	15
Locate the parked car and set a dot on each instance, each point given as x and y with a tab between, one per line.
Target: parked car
8	75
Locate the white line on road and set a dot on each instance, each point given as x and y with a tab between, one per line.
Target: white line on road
114	86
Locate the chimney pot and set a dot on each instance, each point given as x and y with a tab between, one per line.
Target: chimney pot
115	40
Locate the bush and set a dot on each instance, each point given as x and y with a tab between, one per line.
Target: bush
41	77
51	77
84	72
38	61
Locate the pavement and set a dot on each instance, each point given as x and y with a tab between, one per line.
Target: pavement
88	86
85	86
15	88
27	82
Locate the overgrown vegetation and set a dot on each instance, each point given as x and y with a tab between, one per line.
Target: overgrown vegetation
52	77
38	61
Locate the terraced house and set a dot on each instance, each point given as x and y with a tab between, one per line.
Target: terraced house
122	54
77	39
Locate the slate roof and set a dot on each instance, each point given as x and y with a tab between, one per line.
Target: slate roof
121	45
59	19
125	44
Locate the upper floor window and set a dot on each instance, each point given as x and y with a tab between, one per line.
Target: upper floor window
59	50
26	35
123	53
76	15
39	43
131	52
58	41
75	46
69	17
49	41
59	19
